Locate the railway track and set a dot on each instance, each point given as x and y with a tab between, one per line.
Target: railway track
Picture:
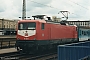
48	56
24	56
12	55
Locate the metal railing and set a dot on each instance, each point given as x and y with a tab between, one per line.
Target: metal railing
7	42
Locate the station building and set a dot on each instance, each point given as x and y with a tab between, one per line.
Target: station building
80	23
8	26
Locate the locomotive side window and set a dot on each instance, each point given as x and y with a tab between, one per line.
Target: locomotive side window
42	26
27	26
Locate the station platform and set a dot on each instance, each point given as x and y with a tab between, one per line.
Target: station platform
7	36
8	50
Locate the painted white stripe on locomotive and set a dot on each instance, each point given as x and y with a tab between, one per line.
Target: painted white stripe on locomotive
30	32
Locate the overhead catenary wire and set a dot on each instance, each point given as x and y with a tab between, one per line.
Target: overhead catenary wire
43	4
58	8
79	5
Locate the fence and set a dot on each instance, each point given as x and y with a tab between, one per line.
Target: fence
7	42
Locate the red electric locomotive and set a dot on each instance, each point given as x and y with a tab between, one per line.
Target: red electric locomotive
40	34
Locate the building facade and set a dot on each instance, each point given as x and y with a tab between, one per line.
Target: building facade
54	18
8	24
80	23
8	27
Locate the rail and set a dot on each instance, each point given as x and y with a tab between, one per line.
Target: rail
25	56
7	42
49	54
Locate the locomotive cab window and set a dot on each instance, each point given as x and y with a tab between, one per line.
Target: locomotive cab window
27	26
42	26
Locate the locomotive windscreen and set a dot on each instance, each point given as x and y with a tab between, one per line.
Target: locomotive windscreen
27	26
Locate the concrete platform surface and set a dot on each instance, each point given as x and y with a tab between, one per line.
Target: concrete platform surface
7	50
7	36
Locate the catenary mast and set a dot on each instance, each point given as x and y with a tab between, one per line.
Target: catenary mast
24	10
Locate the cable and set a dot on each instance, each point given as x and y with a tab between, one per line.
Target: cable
54	7
43	4
79	5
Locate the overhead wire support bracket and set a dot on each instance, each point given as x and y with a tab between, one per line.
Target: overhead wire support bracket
65	14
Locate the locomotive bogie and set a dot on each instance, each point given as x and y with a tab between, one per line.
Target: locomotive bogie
37	45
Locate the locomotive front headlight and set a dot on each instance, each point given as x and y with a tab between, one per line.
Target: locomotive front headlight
34	38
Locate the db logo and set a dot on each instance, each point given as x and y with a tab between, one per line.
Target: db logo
26	34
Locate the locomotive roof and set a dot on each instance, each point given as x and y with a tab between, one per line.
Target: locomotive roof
43	21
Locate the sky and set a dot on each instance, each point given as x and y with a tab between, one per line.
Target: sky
77	9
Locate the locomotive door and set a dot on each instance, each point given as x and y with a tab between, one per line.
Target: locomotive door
49	33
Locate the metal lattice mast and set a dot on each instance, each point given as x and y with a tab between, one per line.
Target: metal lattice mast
24	10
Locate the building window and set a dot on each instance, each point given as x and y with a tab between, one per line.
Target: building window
4	26
85	23
81	23
7	26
